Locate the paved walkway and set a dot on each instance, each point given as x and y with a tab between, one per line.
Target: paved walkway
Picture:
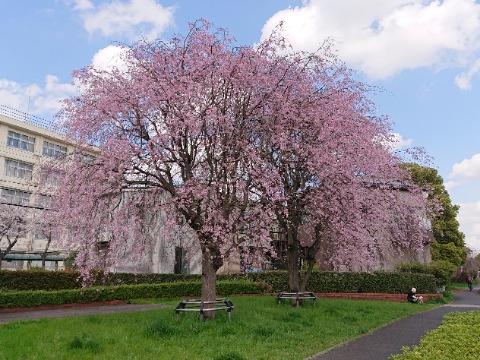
76	311
390	339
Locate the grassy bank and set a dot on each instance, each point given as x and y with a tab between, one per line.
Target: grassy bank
259	329
456	338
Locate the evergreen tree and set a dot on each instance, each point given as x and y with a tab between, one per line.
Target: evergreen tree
449	241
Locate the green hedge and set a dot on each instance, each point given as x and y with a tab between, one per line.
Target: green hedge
442	270
130	278
121	292
320	281
59	280
325	281
38	280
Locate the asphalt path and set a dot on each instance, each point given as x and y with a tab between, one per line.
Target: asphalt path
76	311
388	340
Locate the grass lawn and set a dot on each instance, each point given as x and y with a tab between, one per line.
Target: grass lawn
458	286
259	329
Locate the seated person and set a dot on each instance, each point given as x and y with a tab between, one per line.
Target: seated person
413	298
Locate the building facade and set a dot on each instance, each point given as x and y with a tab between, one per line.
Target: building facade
24	141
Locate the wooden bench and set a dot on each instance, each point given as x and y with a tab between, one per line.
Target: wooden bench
197	305
298	296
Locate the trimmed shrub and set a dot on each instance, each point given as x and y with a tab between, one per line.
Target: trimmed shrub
121	292
39	280
442	270
278	280
413	267
59	280
131	279
329	281
320	281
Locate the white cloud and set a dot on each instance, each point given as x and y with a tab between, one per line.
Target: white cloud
395	142
399	142
451	184
109	57
83	5
464	79
41	100
466	170
469	219
133	18
383	38
44	100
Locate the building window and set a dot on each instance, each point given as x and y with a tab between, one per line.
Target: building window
20	141
181	265
49	265
54	150
50	177
38	235
18	169
43	201
85	158
15	197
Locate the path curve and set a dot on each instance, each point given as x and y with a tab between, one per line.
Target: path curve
388	340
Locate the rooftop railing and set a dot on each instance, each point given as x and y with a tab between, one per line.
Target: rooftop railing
52	125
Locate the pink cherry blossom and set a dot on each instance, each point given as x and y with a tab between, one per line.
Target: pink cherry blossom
230	139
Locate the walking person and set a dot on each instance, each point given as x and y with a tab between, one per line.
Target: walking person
470	282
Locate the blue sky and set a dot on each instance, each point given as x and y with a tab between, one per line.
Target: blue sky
424	54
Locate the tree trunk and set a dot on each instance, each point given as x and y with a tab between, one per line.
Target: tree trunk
293	255
45	252
311	256
11	244
293	268
290	226
295	284
307	276
210	265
